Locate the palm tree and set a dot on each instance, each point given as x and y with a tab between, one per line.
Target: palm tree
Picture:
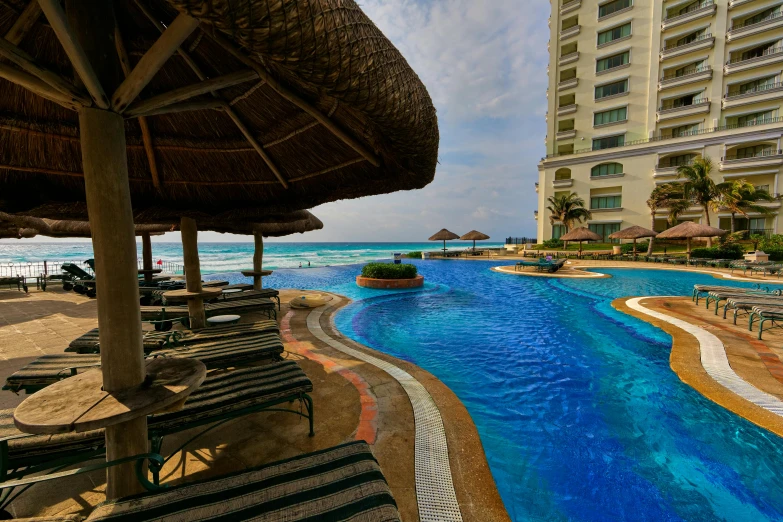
567	209
740	197
699	187
669	196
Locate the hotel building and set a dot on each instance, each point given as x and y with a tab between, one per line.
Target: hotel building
639	87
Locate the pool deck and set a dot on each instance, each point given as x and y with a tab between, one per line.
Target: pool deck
354	399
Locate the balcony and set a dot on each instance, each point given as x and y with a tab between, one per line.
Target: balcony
698	74
666	169
568	84
705	41
668	111
562	183
570	6
768	57
695	14
566	109
764	93
615	13
766	159
569	58
599	210
570	32
774	21
737	3
565	135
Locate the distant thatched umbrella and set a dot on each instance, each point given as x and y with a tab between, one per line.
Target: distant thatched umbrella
581	234
635	232
474	235
687	230
444	235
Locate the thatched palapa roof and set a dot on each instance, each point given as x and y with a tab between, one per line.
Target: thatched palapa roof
689	229
474	235
634	232
27	227
307	102
580	234
305	223
443	235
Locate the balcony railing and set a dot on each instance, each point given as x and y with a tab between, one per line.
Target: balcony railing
677	104
686	73
656	139
689	10
668	165
755	90
742	25
762	154
765	52
521	240
701	38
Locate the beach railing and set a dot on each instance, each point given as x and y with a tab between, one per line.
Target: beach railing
36	268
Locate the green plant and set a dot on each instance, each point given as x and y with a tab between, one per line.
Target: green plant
389	271
699	187
416	254
666	196
550	243
740	197
725	251
641	246
567	209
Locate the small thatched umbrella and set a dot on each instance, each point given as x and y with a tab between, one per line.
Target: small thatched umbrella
474	235
581	234
444	235
635	232
687	230
279	106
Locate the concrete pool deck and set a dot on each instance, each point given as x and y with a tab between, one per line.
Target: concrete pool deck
353	400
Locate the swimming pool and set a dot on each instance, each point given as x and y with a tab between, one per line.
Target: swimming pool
580	415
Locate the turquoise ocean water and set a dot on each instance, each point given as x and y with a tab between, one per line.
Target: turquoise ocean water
232	257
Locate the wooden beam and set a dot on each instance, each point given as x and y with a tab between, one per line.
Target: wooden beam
189	91
146	134
295	99
35	85
24	23
153	60
81	64
187	107
252	140
27	62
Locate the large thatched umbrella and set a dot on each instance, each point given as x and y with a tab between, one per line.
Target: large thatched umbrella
444	235
688	230
635	232
581	234
278	106
474	235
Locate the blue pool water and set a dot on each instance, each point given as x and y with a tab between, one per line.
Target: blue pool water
580	415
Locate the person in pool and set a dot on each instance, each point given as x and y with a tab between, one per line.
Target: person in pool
300	264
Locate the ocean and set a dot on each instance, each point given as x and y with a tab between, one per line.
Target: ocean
232	257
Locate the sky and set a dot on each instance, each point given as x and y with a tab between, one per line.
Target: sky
484	64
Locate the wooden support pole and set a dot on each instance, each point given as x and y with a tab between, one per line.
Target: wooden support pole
184	107
189	91
189	234
24	23
119	319
26	62
146	256
258	259
33	84
153	60
81	64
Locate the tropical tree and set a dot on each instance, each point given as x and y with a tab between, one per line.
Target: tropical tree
567	209
699	187
740	197
667	196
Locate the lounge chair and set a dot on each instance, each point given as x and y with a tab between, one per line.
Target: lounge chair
748	302
267	293
721	295
167	314
771	269
79	280
223	353
703	290
220	398
17	281
89	342
765	313
339	483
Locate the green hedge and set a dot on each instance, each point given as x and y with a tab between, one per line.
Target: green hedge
389	271
641	247
730	251
416	254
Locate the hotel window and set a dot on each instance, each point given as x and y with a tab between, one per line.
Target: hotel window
767	14
754	151
611	62
685	130
605	230
611	89
610	116
613	7
557	231
761	84
687	69
600	202
607	169
562	174
689	8
691	37
761	188
604	37
761	50
677	161
756	118
609	142
683	101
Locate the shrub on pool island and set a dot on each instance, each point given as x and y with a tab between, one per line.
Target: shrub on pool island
389	271
416	254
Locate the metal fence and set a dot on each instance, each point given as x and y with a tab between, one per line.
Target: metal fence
36	268
521	240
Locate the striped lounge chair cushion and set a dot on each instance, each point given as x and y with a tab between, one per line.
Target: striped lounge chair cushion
266	293
35	446
89	342
340	483
213	284
238	286
48	369
230	330
218	308
56	518
229	392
